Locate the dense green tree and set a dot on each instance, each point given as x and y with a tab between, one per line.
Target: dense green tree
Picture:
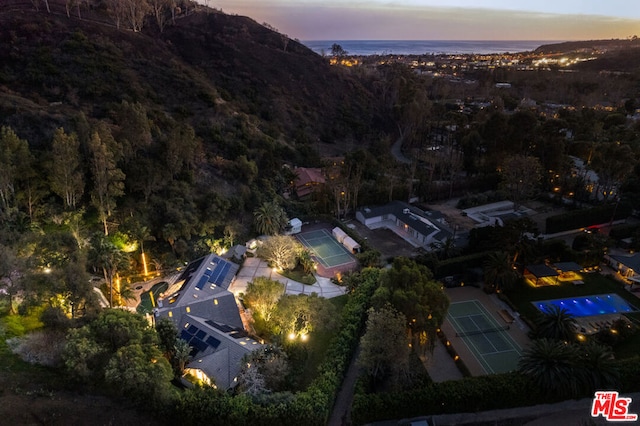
297	315
121	349
262	296
77	288
384	348
521	177
107	179
65	174
264	370
106	256
280	251
411	290
15	160
11	269
139	371
499	272
270	218
556	323
181	148
612	163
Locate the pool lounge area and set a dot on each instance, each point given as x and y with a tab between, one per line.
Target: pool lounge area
592	313
586	306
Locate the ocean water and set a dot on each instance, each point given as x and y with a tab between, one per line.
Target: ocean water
421	47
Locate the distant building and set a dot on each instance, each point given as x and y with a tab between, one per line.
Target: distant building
418	227
627	266
207	317
307	180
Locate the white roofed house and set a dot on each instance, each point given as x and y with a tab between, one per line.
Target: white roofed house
627	266
418	227
207	317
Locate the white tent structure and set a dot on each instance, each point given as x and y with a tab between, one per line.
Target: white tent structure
339	234
351	245
295	226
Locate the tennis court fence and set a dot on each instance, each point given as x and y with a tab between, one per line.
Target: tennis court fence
483	331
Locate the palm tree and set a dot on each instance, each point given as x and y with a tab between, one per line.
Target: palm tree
106	256
551	364
305	260
598	368
270	218
498	271
556	323
181	354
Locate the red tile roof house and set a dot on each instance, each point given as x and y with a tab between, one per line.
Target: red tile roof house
307	180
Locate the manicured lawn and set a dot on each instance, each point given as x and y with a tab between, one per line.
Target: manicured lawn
317	346
298	274
146	305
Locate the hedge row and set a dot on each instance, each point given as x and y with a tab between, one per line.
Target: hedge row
343	346
471	394
621	232
583	218
458	265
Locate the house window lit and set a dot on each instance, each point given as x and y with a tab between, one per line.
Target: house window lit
188	309
186	325
215	301
170	314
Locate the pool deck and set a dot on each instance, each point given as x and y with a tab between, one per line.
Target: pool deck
518	330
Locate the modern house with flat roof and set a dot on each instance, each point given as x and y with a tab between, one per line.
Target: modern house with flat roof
627	266
207	317
418	227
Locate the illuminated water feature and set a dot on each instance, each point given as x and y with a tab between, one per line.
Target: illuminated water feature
586	306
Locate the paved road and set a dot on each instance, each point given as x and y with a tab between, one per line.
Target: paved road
396	151
342	407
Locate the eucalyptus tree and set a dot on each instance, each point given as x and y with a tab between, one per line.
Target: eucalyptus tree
65	173
108	179
15	162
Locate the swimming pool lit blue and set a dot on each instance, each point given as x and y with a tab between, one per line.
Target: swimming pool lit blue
587	306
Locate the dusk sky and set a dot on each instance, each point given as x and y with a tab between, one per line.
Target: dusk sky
442	19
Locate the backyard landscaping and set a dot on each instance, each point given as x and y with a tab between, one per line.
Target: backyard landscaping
522	295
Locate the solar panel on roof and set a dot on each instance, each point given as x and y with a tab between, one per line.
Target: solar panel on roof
238	334
201	282
216	273
184	335
192	329
213	342
199	345
223	274
207	272
201	334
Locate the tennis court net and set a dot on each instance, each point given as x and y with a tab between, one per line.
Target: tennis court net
482	331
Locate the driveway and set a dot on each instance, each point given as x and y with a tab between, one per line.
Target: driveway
254	267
